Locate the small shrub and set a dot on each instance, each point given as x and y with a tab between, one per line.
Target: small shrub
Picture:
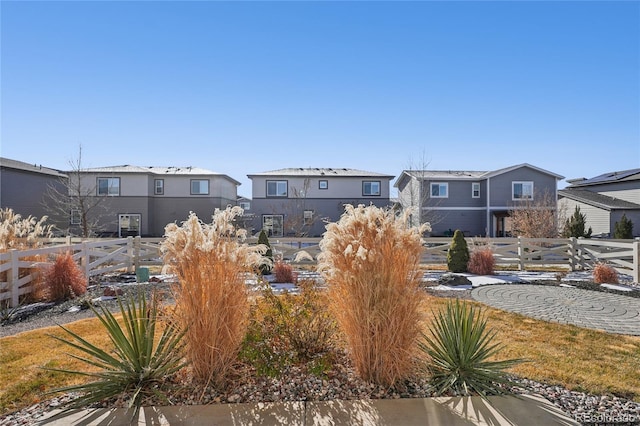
266	267
482	262
575	226
605	274
284	273
63	280
289	328
623	229
370	260
138	363
458	253
212	305
459	349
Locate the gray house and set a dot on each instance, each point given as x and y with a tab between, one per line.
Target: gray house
299	201
143	200
604	199
476	202
24	188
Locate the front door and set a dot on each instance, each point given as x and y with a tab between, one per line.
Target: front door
129	225
273	225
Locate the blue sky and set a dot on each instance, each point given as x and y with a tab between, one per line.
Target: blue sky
246	87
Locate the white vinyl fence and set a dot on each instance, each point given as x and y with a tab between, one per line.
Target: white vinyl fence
18	268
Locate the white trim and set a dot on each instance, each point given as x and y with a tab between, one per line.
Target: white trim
456	208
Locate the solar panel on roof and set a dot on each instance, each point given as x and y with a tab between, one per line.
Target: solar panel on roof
610	177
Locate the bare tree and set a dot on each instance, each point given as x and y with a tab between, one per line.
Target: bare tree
75	203
299	218
537	217
413	195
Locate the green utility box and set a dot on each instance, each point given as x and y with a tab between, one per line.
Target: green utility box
142	275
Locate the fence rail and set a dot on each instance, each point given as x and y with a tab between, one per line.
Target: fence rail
19	268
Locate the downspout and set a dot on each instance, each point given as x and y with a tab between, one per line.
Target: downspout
489	225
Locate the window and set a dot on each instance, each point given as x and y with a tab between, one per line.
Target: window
371	188
76	218
276	188
475	190
245	205
439	190
308	217
199	187
323	184
158	186
109	186
522	190
273	225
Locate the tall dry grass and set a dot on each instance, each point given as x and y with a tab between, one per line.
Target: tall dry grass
24	233
370	261
211	262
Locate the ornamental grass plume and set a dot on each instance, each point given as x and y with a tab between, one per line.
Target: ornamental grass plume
211	262
370	260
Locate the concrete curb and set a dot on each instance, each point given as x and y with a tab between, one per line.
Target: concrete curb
498	410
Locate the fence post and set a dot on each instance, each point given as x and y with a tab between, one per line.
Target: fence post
130	254
573	253
636	261
85	260
13	277
520	255
136	253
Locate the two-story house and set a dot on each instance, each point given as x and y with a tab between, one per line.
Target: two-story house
143	200
24	188
604	199
476	202
299	201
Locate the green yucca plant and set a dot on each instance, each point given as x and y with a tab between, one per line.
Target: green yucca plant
138	364
460	347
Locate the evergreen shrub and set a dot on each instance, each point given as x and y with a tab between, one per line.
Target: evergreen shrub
458	254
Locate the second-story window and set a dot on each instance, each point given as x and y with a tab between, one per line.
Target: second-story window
276	188
522	190
439	190
158	185
323	184
109	187
199	187
475	190
371	188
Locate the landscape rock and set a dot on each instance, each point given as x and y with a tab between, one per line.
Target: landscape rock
454	280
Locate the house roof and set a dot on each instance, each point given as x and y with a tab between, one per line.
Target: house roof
597	200
320	172
611	177
35	168
176	171
468	175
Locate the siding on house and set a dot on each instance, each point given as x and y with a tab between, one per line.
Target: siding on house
24	188
460	209
304	193
604	199
137	195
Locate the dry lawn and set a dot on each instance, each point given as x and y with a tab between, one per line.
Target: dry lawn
576	358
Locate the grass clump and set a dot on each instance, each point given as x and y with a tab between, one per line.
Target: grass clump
370	259
62	280
138	364
482	261
211	263
605	274
460	349
284	272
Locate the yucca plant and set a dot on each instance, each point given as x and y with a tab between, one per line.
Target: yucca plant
138	363
460	350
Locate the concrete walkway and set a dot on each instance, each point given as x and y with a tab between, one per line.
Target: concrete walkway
501	410
590	309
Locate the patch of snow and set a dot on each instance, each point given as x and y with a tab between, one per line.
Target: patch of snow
617	287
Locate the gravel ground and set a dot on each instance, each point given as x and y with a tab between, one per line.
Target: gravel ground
296	384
